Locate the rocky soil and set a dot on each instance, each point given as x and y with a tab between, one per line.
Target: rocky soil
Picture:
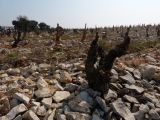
39	81
43	91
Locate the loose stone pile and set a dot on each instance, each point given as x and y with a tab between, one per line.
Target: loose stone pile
45	92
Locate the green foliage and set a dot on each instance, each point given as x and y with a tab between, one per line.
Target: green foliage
43	26
21	24
24	25
1	28
33	25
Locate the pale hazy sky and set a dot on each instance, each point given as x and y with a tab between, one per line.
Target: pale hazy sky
75	13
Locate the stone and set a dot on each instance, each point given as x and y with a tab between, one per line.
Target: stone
77	74
77	116
157	105
14	102
146	116
144	108
60	96
129	69
135	108
157	77
3	75
96	117
44	92
128	105
102	104
41	83
84	95
26	72
150	59
61	117
139	115
4	51
4	106
13	72
16	110
148	71
137	74
3	87
111	95
52	115
139	90
30	115
153	115
41	111
100	113
81	80
57	76
47	114
59	111
119	107
151	98
64	66
4	118
47	102
146	84
21	97
115	86
12	86
33	66
92	93
128	79
71	87
35	103
65	77
57	105
34	108
44	66
114	75
66	109
157	110
19	117
150	105
152	82
58	86
79	106
81	67
130	99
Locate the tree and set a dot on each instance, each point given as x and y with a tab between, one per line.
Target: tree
51	30
33	25
43	26
99	76
21	26
1	28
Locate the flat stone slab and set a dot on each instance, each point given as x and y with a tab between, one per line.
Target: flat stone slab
121	109
15	111
21	97
61	95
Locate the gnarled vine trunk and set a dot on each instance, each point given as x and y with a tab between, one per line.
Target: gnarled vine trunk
98	72
17	38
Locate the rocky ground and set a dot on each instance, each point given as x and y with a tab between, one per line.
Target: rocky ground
47	92
39	81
